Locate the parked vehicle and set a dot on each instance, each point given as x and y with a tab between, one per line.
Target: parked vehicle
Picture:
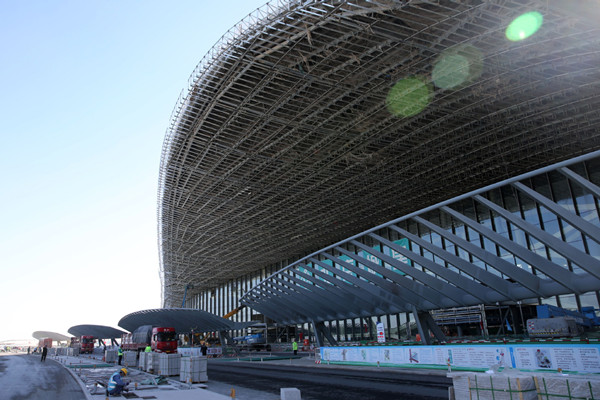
85	344
160	339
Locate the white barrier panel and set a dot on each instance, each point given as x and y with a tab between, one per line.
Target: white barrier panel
189	351
525	356
214	351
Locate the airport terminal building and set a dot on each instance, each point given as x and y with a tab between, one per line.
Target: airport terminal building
332	165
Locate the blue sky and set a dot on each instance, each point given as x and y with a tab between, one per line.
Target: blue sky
87	89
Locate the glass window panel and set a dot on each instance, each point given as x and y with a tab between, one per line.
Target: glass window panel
500	225
571	234
483	215
537	247
550	300
473	237
489	246
511	200
463	254
589	299
529	210
468	209
460	231
558	259
518	236
568	301
541	185
523	265
561	191
593	248
552	227
449	246
436	239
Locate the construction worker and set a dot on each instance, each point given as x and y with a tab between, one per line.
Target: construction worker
148	349
44	353
116	384
120	354
295	347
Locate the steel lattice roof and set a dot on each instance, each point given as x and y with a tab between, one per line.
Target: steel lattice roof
387	276
284	141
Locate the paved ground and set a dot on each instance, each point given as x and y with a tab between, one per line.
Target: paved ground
78	378
25	377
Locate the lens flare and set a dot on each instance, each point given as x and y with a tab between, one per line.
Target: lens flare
408	97
524	26
457	67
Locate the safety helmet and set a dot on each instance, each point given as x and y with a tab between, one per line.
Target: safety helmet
124	371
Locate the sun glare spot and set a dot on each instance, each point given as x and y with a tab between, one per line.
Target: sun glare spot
457	67
408	97
524	26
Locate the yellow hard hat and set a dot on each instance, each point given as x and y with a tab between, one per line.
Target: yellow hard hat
124	371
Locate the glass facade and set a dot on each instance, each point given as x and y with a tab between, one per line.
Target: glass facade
552	184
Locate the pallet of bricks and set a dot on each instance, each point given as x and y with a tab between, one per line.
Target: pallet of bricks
152	362
143	361
193	369
130	359
573	387
168	364
482	386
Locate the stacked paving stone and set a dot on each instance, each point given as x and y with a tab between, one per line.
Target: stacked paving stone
129	358
143	361
524	386
110	356
193	369
567	387
168	364
152	362
484	386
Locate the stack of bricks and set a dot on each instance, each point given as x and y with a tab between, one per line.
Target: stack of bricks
567	387
482	386
129	359
110	356
168	364
152	362
193	370
143	361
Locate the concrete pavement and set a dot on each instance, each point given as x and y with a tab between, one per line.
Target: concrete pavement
89	369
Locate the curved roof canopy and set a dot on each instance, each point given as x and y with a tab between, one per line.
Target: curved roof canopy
182	319
50	335
371	274
313	121
97	331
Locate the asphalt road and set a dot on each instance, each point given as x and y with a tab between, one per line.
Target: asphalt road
25	377
329	383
